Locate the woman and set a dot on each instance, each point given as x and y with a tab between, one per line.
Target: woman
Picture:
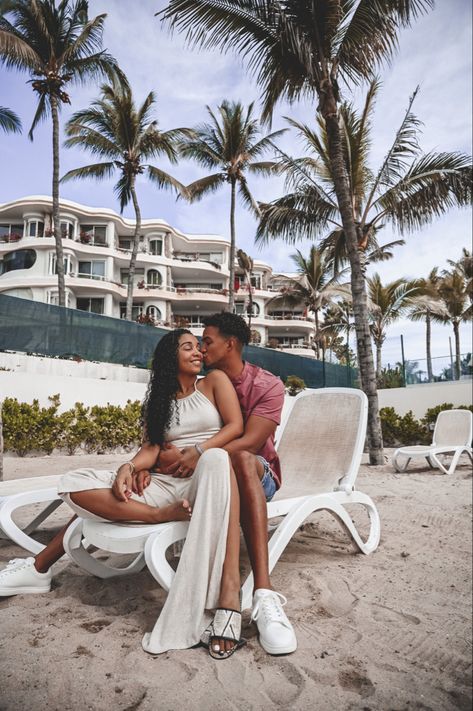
199	417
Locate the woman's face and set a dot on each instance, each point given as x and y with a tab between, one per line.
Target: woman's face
189	357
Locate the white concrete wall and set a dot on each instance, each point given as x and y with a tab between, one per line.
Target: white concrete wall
419	398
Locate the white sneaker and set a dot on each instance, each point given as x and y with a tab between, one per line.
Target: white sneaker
20	577
276	634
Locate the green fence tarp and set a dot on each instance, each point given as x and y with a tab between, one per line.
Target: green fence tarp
42	329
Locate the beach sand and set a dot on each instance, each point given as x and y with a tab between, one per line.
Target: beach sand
387	631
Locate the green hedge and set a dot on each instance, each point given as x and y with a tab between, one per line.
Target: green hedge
31	428
28	428
406	430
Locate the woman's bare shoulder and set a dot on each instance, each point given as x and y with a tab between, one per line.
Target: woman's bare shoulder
216	377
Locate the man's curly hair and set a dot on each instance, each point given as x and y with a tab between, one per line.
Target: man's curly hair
229	325
160	399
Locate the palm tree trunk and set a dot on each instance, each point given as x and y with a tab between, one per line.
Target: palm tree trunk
358	285
316	334
231	266
134	251
1	442
378	362
55	196
428	341
456	331
250	297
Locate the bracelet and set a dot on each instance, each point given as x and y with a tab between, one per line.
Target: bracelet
131	465
199	449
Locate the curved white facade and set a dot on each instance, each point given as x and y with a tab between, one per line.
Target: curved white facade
179	278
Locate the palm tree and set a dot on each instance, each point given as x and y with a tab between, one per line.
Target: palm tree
338	319
464	266
56	44
315	286
387	303
229	144
9	121
112	128
428	307
245	262
301	48
453	290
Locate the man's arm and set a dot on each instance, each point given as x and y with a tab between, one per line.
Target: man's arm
257	431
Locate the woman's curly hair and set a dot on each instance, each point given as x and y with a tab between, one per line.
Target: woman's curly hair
160	399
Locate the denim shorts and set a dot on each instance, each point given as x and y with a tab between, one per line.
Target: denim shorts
267	482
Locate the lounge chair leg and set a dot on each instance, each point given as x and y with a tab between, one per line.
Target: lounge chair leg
396	461
74	547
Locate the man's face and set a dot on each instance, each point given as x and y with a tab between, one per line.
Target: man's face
214	347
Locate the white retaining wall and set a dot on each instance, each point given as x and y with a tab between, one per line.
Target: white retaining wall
32	377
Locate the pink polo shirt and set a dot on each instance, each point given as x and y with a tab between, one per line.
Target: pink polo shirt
261	393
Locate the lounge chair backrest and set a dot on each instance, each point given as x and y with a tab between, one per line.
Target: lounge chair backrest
453	427
322	441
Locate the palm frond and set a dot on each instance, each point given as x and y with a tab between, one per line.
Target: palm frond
9	121
101	171
210	184
433	184
164	180
42	111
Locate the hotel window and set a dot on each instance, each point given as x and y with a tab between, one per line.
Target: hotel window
156	247
139	274
97	234
35	228
67	263
67	229
92	270
92	305
154	278
53	298
242	309
136	310
21	259
125	244
154	312
11	232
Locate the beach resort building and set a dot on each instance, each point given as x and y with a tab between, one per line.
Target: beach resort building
179	278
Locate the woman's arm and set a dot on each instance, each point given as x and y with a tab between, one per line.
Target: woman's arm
145	458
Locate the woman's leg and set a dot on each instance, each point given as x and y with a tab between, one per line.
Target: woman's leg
230	583
103	503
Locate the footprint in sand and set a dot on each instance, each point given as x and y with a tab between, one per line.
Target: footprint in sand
95	626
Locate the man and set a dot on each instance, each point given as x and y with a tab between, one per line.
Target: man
256	465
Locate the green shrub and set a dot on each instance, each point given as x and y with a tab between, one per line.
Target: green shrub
402	429
432	413
28	428
294	384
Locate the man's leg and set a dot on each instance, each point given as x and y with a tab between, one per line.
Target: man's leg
253	514
276	634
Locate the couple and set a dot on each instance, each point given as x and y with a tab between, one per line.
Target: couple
209	445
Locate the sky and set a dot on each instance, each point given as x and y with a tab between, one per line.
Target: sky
434	54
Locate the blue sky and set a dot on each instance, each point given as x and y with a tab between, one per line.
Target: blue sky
435	53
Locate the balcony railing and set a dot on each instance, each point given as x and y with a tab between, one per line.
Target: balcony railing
288	317
12	238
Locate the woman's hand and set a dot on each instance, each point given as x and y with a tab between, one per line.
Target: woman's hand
141	480
122	487
169	458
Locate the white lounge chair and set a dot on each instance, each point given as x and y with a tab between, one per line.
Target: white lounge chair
16	493
452	435
320	449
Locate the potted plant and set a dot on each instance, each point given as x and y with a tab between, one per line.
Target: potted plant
85	237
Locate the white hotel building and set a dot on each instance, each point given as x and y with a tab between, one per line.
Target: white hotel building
179	278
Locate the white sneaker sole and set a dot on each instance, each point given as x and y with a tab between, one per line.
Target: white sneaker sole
278	649
5	592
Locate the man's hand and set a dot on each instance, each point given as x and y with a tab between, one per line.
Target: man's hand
141	480
122	487
169	456
186	464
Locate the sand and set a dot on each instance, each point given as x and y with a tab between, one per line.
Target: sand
387	631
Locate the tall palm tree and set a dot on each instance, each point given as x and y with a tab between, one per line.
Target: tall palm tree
9	121
230	145
454	293
114	129
245	262
387	303
315	286
301	48
427	306
338	319
56	44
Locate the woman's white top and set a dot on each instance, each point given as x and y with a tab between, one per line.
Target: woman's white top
198	420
